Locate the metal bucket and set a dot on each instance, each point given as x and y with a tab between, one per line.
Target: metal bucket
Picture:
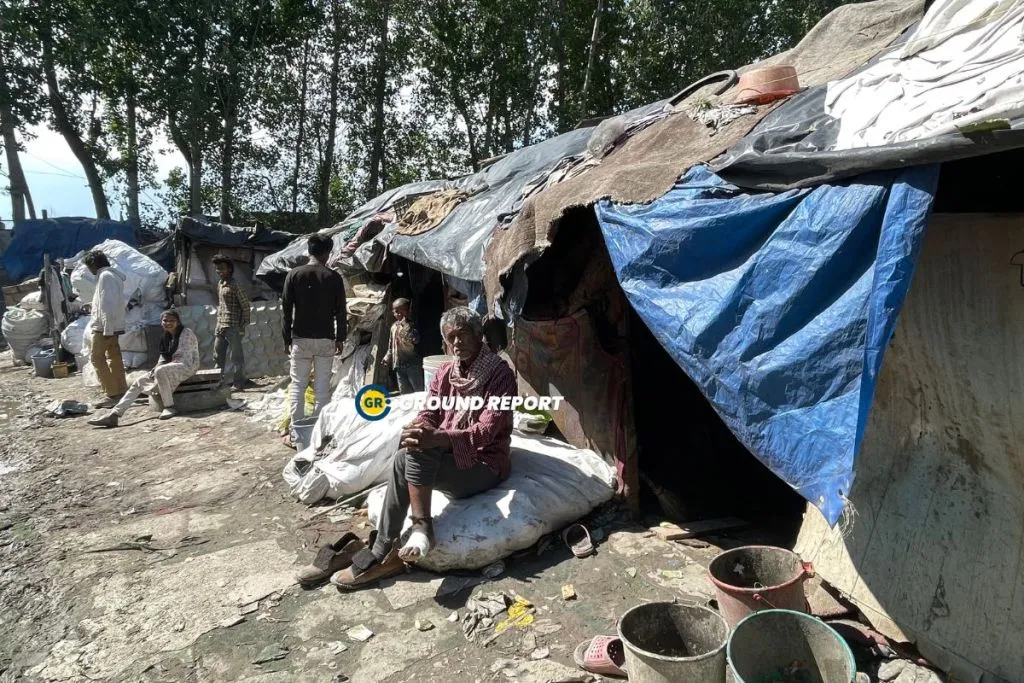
782	645
42	363
667	642
303	432
758	577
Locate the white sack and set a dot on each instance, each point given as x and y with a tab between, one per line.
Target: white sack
350	374
22	328
33	301
144	278
358	451
73	336
551	485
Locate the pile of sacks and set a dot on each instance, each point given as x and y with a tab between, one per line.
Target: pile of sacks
144	301
23	326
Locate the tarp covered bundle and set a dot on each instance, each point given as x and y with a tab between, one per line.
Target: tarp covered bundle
778	306
60	238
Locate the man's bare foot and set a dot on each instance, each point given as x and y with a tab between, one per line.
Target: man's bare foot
421	540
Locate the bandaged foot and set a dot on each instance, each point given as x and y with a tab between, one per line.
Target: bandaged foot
420	541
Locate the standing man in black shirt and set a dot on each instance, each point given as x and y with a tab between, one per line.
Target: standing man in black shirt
314	325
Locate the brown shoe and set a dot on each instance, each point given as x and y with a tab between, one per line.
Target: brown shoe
330	559
367	569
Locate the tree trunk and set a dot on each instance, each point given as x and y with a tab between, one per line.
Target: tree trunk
20	197
132	171
327	164
64	126
467	118
561	88
227	164
588	76
302	129
373	187
196	129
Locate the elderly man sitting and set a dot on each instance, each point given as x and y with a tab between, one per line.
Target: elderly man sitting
457	452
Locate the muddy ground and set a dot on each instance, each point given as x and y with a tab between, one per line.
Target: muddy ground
165	551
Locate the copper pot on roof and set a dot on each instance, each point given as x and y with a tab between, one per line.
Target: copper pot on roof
767	84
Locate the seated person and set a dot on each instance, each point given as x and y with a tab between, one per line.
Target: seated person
458	452
179	360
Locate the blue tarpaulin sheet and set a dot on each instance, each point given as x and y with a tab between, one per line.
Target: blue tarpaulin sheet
60	238
778	306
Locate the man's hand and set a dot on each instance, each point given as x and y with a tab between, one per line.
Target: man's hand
424	437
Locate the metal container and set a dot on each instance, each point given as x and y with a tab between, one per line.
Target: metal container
666	642
781	645
758	577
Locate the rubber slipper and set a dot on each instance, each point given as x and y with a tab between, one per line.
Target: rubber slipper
602	655
582	546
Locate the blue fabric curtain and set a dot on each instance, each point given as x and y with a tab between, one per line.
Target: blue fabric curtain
779	306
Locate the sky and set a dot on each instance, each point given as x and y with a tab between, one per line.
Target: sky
57	182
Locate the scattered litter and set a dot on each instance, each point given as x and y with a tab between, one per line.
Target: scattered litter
231	621
179	627
631	572
425	625
66	408
667	531
236	403
453	617
250	608
493	571
340	517
359	633
340	678
529	642
264	616
545	627
694	543
520	615
540	653
481	609
271	653
670	573
568	592
337	647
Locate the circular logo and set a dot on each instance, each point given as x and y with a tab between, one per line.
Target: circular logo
372	402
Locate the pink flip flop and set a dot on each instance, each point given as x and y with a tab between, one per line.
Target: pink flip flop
602	655
577	537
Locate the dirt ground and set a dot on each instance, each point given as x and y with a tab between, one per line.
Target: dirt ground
165	551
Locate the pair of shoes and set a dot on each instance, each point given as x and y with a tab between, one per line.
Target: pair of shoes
108	402
168	413
366	569
330	559
108	420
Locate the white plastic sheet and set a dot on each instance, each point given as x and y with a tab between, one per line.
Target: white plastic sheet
551	485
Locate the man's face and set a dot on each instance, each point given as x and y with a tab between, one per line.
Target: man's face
224	271
463	342
92	269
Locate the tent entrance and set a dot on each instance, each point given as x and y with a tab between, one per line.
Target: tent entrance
691	465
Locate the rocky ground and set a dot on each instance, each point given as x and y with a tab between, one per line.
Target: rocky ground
165	551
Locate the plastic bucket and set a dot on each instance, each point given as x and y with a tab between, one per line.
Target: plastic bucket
667	642
430	366
758	577
42	362
303	432
782	645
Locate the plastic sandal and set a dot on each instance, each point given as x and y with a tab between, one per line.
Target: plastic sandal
602	655
582	546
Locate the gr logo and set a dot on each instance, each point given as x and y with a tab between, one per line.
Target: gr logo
372	402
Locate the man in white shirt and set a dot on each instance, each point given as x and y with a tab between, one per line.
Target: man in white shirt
107	310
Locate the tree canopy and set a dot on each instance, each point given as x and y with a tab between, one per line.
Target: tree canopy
313	106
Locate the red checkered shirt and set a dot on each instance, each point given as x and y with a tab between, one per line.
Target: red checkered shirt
488	439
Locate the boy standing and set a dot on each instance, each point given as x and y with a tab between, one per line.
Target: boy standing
233	316
402	355
315	322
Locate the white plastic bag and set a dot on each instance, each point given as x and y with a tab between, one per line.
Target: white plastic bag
359	452
551	485
144	278
22	328
73	336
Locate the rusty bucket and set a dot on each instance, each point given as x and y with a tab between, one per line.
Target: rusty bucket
758	577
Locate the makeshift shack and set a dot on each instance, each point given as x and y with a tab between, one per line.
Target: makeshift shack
769	254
